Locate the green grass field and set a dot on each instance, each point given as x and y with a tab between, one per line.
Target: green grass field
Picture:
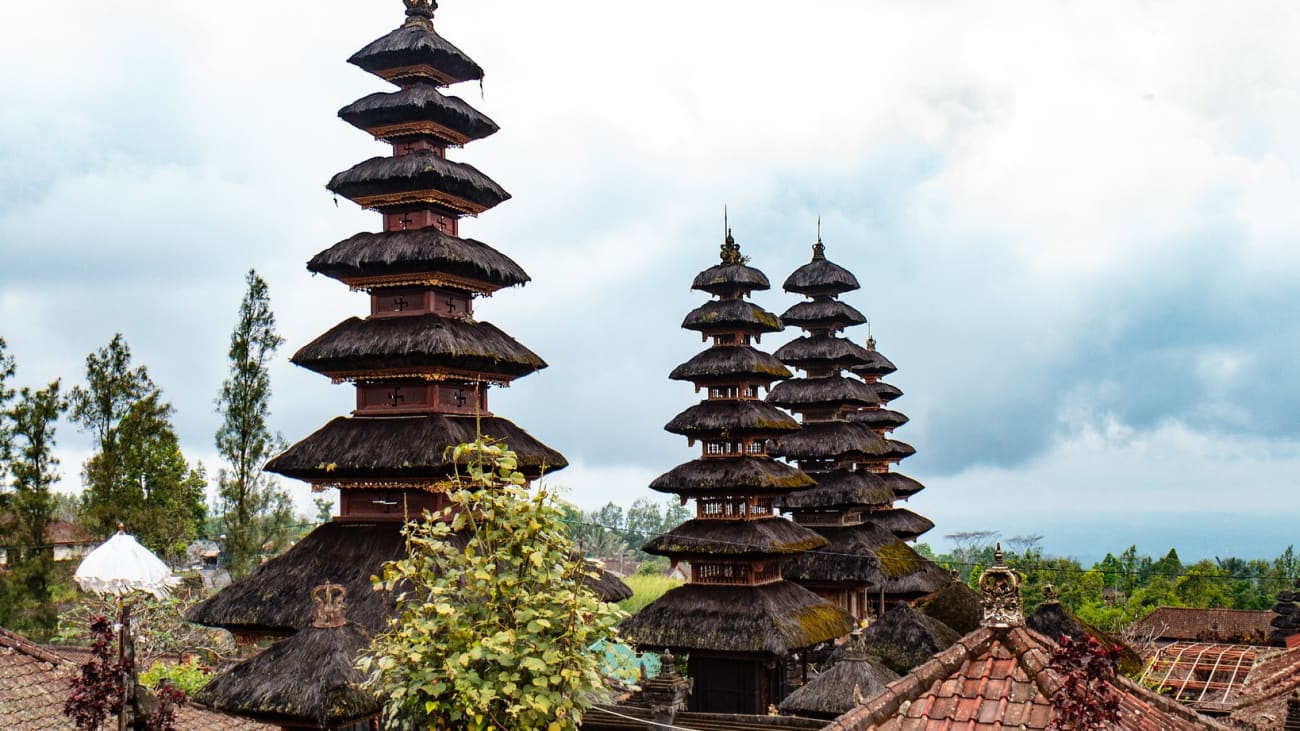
645	589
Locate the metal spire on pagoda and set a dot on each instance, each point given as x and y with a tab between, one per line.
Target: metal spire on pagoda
848	456
736	618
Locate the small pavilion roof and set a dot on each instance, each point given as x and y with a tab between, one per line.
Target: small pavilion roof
1052	620
1239	626
717	539
415	50
904	638
739	476
731	418
837	689
418	109
418	256
420	177
822	313
798	393
731	362
956	605
731	315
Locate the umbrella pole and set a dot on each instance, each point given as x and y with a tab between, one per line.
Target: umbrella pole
126	656
121	657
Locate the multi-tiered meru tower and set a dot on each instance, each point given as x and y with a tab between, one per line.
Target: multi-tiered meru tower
736	617
420	362
844	446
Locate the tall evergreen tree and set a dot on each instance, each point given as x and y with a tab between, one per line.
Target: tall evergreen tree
31	504
253	507
7	370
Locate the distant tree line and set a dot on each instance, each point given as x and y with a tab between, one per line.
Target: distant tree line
137	474
613	532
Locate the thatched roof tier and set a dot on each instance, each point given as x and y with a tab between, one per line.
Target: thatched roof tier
836	689
730	362
878	365
797	394
887	392
418	109
904	638
726	280
771	619
731	418
841	489
902	522
606	584
731	316
415	50
901	485
307	679
822	313
369	348
740	475
956	605
821	277
868	554
424	256
878	418
1052	620
832	440
726	539
403	447
270	599
420	177
821	351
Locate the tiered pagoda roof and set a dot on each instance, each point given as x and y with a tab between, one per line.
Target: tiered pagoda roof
736	615
844	445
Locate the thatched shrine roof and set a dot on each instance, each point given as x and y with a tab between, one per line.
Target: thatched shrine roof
842	489
731	315
417	344
904	638
731	418
306	679
820	276
822	313
606	584
392	254
821	351
867	554
837	689
414	45
902	485
902	522
413	178
719	539
876	365
828	391
887	392
411	448
729	279
830	440
956	605
1052	620
741	475
771	619
730	362
390	114
878	418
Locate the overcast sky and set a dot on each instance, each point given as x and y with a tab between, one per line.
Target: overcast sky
1075	224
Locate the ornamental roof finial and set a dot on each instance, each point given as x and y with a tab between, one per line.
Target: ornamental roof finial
331	605
420	8
819	249
1000	594
730	252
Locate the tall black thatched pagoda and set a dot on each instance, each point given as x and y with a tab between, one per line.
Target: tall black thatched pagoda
844	446
736	618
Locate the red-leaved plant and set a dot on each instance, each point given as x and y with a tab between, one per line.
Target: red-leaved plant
169	698
1087	700
97	692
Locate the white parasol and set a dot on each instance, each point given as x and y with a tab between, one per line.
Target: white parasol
120	566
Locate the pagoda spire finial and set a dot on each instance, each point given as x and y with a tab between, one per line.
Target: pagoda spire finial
730	252
420	8
819	249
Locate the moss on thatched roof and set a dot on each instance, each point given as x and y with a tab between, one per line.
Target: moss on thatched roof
729	279
420	170
733	539
877	365
837	689
740	475
771	619
878	418
956	605
841	489
414	44
822	313
902	485
418	251
902	522
831	439
403	447
271	598
306	679
868	554
821	277
419	103
730	316
731	362
904	638
821	351
417	343
731	418
798	393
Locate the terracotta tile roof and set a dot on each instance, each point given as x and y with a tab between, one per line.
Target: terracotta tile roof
34	683
1262	707
997	679
1238	626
